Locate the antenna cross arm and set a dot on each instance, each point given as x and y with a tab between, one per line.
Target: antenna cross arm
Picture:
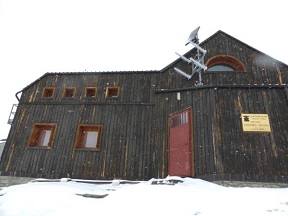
184	58
204	67
189	61
182	73
199	48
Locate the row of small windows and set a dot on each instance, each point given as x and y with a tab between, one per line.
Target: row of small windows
89	92
87	136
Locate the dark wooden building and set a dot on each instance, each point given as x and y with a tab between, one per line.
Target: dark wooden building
139	125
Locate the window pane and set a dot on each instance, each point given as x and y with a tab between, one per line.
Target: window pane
44	137
112	92
48	92
90	92
91	139
69	92
88	136
221	68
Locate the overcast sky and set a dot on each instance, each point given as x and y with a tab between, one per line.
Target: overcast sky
39	36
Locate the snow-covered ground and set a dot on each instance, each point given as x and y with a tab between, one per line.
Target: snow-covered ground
186	198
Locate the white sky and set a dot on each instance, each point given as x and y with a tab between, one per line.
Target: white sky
192	197
39	36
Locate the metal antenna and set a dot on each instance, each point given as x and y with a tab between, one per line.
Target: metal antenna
197	63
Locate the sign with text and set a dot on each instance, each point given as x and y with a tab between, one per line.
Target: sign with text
255	122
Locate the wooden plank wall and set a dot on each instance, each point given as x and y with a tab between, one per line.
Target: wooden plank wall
222	149
129	148
135	141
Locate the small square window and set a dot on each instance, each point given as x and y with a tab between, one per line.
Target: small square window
42	135
90	92
112	92
88	137
48	92
69	92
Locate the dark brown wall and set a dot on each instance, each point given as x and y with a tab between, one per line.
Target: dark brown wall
128	149
222	149
135	141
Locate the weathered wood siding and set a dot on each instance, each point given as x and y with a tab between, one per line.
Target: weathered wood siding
128	147
135	141
221	149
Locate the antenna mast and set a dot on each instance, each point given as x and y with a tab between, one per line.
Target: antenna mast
197	63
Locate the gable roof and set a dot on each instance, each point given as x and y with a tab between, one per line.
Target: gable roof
226	35
152	71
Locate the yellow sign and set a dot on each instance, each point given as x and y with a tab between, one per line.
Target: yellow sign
255	122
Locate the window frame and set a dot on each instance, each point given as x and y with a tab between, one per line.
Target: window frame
227	61
87	89
35	135
44	92
80	136
67	90
109	94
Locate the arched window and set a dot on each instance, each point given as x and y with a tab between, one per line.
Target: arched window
224	63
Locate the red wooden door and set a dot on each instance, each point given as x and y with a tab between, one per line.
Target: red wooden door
180	144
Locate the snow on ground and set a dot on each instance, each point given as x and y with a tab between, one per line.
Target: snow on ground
186	197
